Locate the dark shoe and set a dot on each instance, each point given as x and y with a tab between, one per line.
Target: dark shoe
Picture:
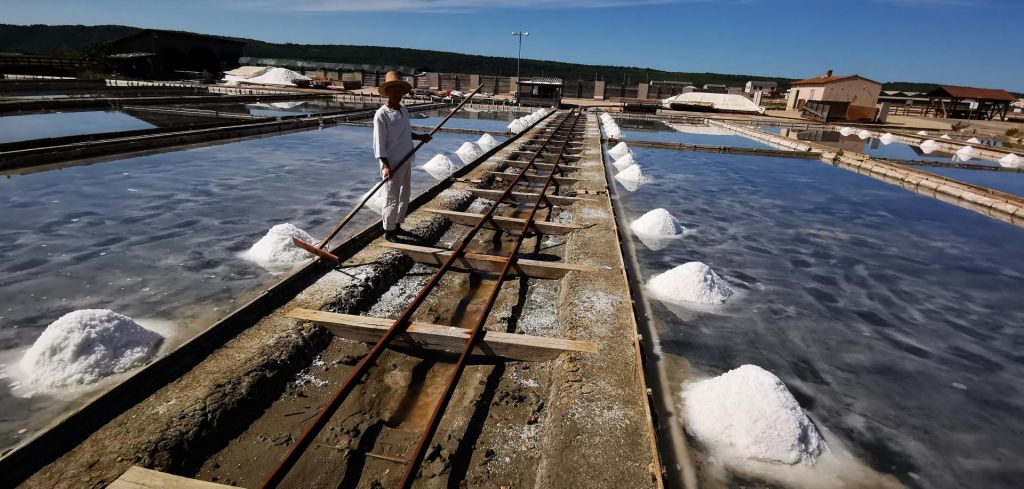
392	236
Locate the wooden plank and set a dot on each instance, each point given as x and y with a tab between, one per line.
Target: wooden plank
476	262
506	223
449	339
526	197
538	178
539	165
140	478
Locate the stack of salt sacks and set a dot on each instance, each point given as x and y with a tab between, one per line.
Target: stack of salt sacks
440	167
657	229
84	346
276	251
748	414
519	125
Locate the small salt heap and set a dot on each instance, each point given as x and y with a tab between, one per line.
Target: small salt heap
523	123
631	178
945	136
966	153
749	414
440	167
657	229
974	141
1010	161
619	150
864	134
922	133
928	146
487	142
846	130
82	347
468	152
887	139
624	162
692	282
276	251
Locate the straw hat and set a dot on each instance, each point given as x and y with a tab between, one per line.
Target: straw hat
391	79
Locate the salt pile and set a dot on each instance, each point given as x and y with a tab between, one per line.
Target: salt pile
618	151
864	134
974	141
84	346
692	282
922	133
611	129
276	250
624	162
846	131
468	152
887	139
658	222
928	146
1010	161
271	76
945	136
522	123
440	167
966	153
749	414
632	178
487	142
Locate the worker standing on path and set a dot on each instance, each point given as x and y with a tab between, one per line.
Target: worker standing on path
392	140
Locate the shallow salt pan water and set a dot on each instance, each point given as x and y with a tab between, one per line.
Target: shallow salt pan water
158	236
893	318
57	124
479	120
1009	182
643	130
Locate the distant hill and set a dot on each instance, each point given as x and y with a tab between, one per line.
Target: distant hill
77	40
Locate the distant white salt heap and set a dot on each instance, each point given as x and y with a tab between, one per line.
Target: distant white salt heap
619	150
922	133
974	141
440	167
749	414
864	134
887	139
966	153
82	347
270	76
468	152
692	282
846	130
276	250
928	146
624	162
487	142
1010	161
945	136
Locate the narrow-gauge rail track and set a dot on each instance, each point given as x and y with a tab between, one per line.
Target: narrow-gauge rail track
559	134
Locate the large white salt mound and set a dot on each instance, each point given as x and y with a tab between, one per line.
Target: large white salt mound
749	414
692	282
624	162
276	249
657	222
619	150
846	130
83	347
632	173
272	76
468	152
966	153
487	142
864	134
612	131
517	126
928	146
887	139
440	167
1010	161
974	141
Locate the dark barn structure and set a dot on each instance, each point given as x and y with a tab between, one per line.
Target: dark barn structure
955	102
159	54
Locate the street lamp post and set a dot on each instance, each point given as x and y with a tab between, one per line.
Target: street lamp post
519	59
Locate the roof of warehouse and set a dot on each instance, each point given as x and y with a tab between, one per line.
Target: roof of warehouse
954	91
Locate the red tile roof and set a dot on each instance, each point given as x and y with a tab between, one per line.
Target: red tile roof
954	91
821	80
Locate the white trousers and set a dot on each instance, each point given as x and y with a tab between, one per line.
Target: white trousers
397	192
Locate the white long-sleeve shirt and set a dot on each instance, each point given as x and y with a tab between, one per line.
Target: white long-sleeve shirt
392	135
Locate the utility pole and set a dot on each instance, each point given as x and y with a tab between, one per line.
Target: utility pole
519	59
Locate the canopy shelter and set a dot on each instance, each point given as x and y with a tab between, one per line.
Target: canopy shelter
951	101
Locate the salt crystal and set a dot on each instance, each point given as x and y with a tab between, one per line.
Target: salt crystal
966	153
276	249
84	346
468	152
749	414
692	282
1010	161
619	150
624	162
440	167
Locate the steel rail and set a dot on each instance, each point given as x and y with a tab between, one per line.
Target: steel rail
403	321
416	459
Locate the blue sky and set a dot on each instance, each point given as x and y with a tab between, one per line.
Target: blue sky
962	42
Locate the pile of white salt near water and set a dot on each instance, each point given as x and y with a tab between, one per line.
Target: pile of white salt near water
864	134
945	136
619	150
632	178
922	133
974	141
966	153
928	146
487	142
657	229
692	282
1010	161
82	347
749	414
887	139
276	250
440	167
468	152
625	162
846	130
